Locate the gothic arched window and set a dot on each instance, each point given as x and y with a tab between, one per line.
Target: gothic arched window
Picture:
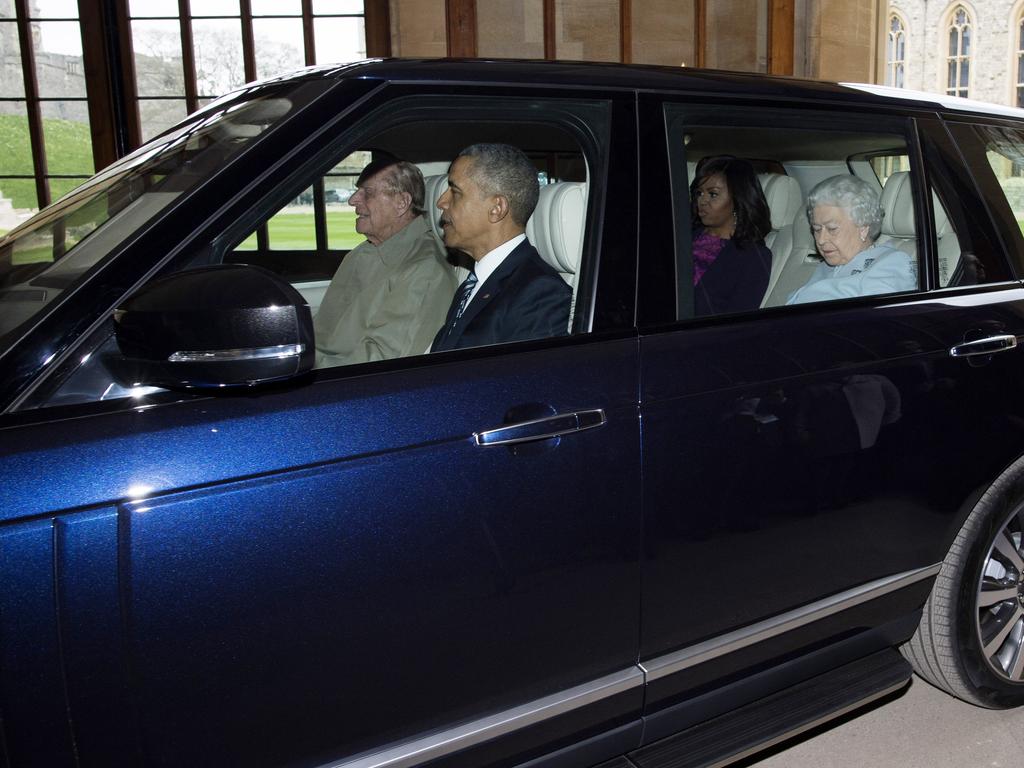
958	58
895	52
1020	61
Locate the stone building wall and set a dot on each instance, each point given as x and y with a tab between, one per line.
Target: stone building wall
993	48
58	77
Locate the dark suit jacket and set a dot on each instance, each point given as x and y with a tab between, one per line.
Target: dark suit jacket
524	298
735	281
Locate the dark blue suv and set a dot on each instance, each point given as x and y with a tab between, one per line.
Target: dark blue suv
661	539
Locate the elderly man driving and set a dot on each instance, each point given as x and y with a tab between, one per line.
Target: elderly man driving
391	292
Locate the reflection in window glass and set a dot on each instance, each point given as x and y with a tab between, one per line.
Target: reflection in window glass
55	249
157	115
158	66
60	187
217	44
1006	156
279	46
276	7
150	8
339	40
215	8
67	138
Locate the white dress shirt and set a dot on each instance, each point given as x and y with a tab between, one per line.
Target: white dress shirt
491	261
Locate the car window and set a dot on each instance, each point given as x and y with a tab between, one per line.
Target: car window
374	303
995	155
833	219
948	250
966	225
61	246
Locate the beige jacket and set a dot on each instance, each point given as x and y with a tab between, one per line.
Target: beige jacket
385	301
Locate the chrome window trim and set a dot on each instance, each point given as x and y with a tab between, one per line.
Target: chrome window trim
693	655
419	751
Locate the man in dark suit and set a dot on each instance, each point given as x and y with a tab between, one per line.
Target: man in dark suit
512	293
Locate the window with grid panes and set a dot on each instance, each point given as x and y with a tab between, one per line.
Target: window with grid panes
44	114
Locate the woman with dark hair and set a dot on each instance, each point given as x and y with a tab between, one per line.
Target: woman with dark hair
731	263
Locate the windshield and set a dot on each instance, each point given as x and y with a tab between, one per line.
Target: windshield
63	243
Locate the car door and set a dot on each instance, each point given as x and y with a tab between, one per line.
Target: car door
350	567
805	466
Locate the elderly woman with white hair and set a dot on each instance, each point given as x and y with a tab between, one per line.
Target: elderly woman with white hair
846	219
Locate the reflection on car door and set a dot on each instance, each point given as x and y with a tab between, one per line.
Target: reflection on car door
803	462
318	572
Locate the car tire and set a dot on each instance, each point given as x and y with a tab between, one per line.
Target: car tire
970	642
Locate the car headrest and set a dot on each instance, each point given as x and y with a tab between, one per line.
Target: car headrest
556	226
783	195
803	238
898	205
434	187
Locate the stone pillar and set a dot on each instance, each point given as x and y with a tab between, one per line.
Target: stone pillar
844	41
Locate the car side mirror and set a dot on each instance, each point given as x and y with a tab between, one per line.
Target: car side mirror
229	325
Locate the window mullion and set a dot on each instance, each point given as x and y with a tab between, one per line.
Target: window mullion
320	215
32	107
188	57
248	42
308	39
377	23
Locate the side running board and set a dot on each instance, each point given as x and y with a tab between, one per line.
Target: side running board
735	735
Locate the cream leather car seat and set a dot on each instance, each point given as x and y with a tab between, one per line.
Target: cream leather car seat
786	202
556	230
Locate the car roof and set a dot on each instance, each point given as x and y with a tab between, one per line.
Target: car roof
641	77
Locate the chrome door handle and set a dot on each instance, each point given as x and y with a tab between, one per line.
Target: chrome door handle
541	429
986	346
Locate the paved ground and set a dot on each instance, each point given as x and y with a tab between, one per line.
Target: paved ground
922	728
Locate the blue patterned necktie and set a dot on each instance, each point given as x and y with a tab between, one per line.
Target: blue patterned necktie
465	290
463	296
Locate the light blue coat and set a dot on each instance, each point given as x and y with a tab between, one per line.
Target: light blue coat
878	269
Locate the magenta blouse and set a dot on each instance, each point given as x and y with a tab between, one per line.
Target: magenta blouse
705	250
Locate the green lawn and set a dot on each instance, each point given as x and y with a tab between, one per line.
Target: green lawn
68	151
294	232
